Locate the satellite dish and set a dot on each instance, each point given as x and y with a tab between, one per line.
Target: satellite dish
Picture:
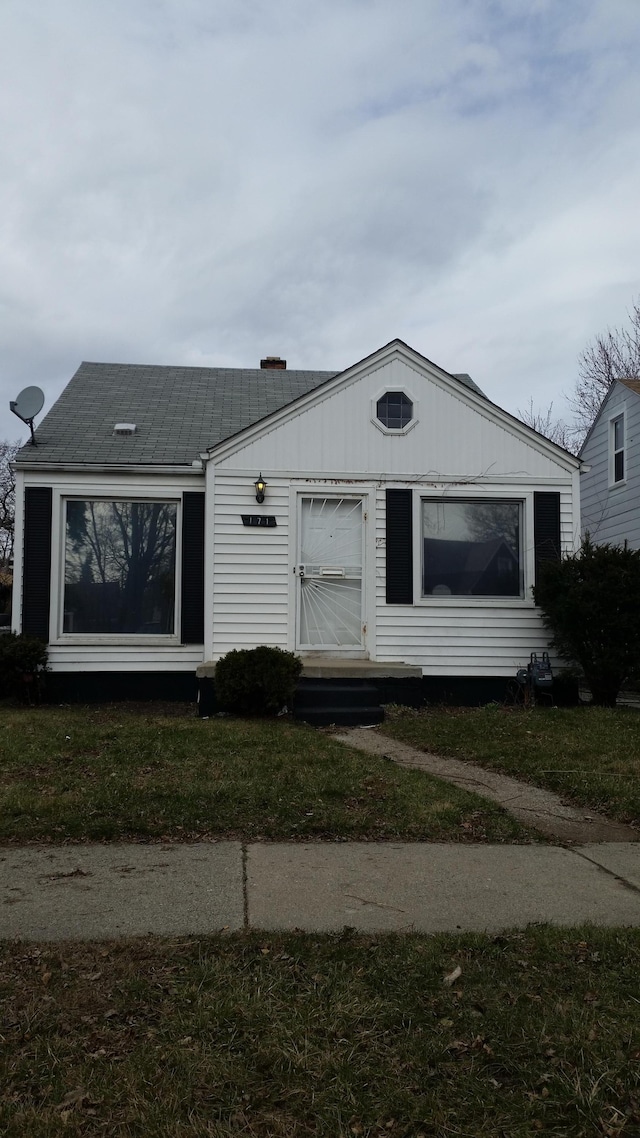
28	404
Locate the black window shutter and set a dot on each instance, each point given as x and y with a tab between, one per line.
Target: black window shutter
546	527
36	572
192	568
399	547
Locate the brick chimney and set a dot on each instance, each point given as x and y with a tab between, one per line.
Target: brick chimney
273	363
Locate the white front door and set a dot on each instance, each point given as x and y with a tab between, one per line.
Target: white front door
329	574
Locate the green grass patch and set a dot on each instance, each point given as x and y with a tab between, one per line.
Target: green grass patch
116	772
590	755
314	1036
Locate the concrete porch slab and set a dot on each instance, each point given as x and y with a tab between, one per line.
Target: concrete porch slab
338	667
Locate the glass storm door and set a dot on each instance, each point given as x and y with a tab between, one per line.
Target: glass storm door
329	601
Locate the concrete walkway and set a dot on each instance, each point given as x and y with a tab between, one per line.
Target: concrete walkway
540	809
103	891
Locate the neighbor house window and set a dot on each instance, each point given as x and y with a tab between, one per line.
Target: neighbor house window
394	410
472	548
617	449
120	567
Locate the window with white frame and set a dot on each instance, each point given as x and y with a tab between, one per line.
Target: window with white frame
119	567
617	449
394	410
472	548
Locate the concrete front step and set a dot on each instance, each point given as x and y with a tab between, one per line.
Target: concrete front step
340	716
348	693
346	702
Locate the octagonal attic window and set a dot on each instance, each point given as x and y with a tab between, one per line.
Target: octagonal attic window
394	410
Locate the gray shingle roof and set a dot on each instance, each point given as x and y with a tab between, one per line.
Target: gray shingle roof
178	411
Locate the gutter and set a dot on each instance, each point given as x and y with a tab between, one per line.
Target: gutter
196	467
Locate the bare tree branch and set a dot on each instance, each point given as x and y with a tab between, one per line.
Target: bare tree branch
546	424
614	354
8	451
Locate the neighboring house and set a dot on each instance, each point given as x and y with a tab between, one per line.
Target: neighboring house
401	523
610	481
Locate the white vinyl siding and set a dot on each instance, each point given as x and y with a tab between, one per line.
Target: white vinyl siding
469	637
460	446
250	565
124	658
457	433
253	573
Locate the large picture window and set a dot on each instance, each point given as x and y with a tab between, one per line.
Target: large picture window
120	567
472	548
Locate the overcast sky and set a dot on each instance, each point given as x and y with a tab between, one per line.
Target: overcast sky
210	181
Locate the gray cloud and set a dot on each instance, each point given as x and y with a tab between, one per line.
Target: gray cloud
188	182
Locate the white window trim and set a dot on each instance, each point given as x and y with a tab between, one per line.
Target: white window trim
613	419
394	430
527	548
56	635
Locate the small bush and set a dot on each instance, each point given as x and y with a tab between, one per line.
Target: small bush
257	681
23	659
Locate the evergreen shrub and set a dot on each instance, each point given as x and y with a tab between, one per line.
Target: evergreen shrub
257	681
590	603
23	659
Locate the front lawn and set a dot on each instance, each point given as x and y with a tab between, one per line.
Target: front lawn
116	772
293	1036
589	755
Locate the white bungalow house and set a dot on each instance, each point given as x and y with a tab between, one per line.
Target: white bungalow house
386	520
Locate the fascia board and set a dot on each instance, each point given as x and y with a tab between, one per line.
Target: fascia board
102	468
397	349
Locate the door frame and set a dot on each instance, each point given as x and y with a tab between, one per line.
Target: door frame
335	489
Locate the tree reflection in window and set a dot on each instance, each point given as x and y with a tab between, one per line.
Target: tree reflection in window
120	567
472	548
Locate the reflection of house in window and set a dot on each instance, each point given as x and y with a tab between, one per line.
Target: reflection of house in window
469	568
471	548
120	567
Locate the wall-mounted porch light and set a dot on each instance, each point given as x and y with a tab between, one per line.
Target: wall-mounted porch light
260	486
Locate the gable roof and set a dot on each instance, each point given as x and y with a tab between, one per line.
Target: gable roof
179	412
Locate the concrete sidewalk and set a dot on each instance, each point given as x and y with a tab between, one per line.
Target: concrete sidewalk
106	891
